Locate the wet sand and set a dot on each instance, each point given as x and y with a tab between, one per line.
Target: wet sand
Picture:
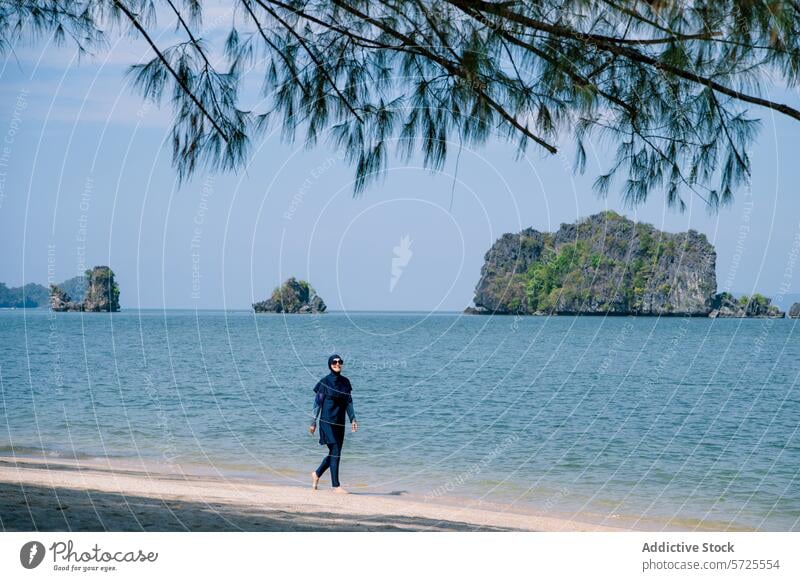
82	495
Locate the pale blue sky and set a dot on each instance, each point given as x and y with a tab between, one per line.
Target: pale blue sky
85	158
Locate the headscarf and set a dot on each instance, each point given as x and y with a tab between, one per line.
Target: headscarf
330	363
333	385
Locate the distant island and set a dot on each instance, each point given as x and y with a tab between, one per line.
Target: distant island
34	295
30	296
607	264
100	293
94	291
293	296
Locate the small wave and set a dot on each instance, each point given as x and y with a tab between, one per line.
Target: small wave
36	451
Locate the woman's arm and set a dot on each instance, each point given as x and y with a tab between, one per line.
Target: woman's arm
352	413
314	415
316	412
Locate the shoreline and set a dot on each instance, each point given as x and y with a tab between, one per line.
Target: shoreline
82	495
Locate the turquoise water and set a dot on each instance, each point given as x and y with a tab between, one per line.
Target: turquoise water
648	422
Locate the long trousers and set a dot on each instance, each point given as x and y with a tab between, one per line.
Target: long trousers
332	461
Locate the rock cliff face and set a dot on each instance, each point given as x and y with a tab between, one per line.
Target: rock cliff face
604	264
101	295
61	301
294	296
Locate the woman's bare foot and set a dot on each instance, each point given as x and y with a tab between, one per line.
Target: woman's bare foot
314	480
340	490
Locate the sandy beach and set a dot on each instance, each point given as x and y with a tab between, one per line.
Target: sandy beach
70	495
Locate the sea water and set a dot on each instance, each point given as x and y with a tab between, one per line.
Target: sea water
644	422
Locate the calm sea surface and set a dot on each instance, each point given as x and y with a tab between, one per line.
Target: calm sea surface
646	422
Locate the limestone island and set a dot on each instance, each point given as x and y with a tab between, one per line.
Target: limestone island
101	293
293	296
607	264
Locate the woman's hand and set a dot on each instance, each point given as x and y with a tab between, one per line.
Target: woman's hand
312	428
355	425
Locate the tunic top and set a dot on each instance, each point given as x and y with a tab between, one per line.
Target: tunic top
331	405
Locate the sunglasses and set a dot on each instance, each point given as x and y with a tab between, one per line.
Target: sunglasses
337	362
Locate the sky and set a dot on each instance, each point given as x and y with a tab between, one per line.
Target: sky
86	179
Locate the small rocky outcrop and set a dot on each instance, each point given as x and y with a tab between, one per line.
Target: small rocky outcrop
725	305
101	294
604	264
293	296
61	301
794	311
76	287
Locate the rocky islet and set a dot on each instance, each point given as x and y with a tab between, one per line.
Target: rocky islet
607	264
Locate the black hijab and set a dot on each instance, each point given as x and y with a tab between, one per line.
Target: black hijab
334	384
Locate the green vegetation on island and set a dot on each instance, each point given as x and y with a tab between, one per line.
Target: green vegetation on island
30	296
757	305
34	295
607	264
101	293
293	296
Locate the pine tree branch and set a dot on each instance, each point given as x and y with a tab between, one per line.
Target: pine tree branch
314	58
610	44
135	21
454	68
289	64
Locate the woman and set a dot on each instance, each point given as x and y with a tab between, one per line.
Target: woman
331	401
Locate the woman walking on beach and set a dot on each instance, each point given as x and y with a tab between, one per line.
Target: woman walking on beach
332	400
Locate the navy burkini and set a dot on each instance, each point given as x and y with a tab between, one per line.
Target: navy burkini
333	400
